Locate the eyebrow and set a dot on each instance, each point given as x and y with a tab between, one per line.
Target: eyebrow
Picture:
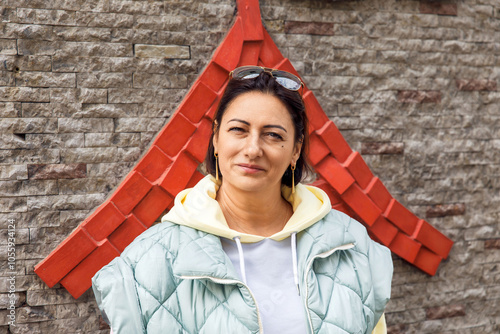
265	126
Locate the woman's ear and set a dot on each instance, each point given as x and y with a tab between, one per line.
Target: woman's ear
214	141
298	148
296	151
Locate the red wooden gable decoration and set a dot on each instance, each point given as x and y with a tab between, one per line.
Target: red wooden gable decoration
171	162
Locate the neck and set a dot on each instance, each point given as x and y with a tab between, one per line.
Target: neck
254	213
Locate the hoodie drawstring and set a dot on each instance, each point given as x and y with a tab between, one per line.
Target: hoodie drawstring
242	259
293	241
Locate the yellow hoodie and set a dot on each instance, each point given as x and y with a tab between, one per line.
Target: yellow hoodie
197	208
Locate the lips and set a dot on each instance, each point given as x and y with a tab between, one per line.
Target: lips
250	168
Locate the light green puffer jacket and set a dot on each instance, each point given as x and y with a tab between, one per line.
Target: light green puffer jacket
176	279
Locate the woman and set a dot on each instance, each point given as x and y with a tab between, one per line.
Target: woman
249	249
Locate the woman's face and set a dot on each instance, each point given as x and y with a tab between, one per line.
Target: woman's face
255	142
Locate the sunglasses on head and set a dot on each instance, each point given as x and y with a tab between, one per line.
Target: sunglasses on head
285	79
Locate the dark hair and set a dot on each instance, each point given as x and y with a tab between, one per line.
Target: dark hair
265	83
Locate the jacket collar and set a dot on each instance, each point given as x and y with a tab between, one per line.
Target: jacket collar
327	234
200	254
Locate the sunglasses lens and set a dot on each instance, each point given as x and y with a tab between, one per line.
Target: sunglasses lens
288	83
247	72
287	80
249	76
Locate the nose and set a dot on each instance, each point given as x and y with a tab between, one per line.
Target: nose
253	146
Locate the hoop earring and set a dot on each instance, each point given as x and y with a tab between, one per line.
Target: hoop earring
292	167
216	155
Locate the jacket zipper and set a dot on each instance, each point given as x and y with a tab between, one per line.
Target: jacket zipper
308	268
229	282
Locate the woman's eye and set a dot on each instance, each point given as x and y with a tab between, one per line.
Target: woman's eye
236	129
275	135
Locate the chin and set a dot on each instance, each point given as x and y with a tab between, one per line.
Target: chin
245	183
255	185
250	186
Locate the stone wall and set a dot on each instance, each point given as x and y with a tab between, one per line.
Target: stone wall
412	85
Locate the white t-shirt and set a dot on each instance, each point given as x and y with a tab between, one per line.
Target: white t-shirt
269	274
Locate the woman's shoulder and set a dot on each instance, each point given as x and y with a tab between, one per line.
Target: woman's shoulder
154	243
339	221
162	235
354	231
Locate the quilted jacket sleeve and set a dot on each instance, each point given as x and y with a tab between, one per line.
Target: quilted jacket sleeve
382	270
380	267
116	294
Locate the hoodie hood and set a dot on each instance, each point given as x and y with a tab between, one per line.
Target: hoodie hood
197	208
